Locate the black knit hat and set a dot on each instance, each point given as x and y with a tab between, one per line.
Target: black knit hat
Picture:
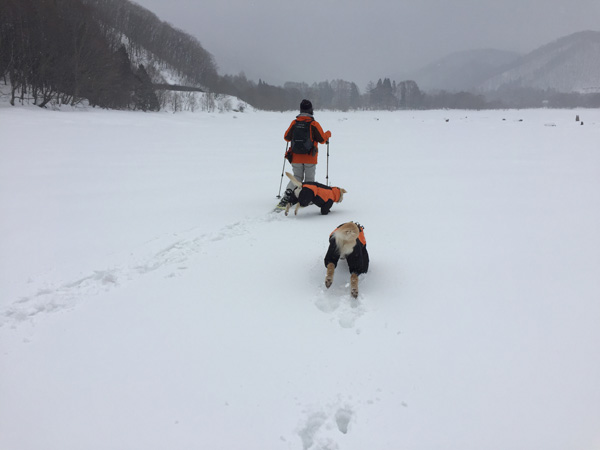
306	106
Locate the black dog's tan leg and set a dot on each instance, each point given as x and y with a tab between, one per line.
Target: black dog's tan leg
287	209
329	277
354	285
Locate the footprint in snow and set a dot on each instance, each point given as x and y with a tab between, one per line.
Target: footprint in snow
342	419
338	302
308	432
316	431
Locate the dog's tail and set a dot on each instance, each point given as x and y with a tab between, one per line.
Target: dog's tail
294	179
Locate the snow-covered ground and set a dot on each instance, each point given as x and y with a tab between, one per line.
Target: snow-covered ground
150	300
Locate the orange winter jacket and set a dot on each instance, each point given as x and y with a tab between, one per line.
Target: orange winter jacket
321	193
316	133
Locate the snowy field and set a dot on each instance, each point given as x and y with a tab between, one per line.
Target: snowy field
150	300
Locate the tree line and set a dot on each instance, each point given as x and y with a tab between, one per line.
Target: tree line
389	95
343	95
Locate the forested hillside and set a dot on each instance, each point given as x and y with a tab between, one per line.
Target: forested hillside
68	50
146	36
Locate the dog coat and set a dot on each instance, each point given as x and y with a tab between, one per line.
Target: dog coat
358	260
321	195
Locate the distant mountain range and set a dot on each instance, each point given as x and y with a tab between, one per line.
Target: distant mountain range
569	64
462	71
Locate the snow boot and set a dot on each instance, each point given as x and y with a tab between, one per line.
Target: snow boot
287	196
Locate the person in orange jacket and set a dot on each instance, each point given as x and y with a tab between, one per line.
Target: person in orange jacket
304	135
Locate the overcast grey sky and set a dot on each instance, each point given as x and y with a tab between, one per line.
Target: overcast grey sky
358	40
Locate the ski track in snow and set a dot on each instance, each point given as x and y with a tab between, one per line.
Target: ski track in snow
335	301
67	295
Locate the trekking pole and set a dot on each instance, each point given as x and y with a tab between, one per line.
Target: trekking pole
282	170
327	176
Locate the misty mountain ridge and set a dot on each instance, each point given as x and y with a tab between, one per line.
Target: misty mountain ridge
461	71
569	64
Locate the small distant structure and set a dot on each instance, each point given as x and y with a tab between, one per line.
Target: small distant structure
176	87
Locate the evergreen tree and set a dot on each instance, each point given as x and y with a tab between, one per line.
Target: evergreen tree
124	88
144	95
409	95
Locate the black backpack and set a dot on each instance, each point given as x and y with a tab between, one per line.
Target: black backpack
302	144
